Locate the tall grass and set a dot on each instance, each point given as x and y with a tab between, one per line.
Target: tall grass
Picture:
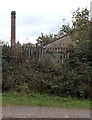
36	99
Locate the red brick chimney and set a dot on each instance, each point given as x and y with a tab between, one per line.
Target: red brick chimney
13	29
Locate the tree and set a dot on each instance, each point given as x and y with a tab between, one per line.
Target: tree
80	27
6	52
81	34
64	30
45	39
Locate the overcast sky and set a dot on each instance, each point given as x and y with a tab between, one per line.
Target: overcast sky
34	17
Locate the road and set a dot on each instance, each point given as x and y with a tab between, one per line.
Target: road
43	112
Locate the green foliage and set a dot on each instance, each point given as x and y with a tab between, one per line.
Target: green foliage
71	79
45	39
65	30
81	24
6	53
51	79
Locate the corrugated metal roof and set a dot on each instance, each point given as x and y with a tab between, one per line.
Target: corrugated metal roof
63	42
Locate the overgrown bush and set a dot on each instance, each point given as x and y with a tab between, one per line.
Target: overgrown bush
71	79
51	79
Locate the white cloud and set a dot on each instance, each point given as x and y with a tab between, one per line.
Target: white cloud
36	16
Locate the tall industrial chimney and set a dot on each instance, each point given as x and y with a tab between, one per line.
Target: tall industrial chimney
13	29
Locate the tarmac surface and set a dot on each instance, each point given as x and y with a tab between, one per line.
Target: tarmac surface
43	112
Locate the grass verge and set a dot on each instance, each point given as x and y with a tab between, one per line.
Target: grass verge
44	100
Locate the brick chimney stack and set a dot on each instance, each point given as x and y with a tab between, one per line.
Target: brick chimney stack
13	29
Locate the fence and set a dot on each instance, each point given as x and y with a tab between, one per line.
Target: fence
38	53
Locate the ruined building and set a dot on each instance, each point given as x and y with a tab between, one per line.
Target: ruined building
59	50
55	52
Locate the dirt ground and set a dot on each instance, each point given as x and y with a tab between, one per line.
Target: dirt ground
43	112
